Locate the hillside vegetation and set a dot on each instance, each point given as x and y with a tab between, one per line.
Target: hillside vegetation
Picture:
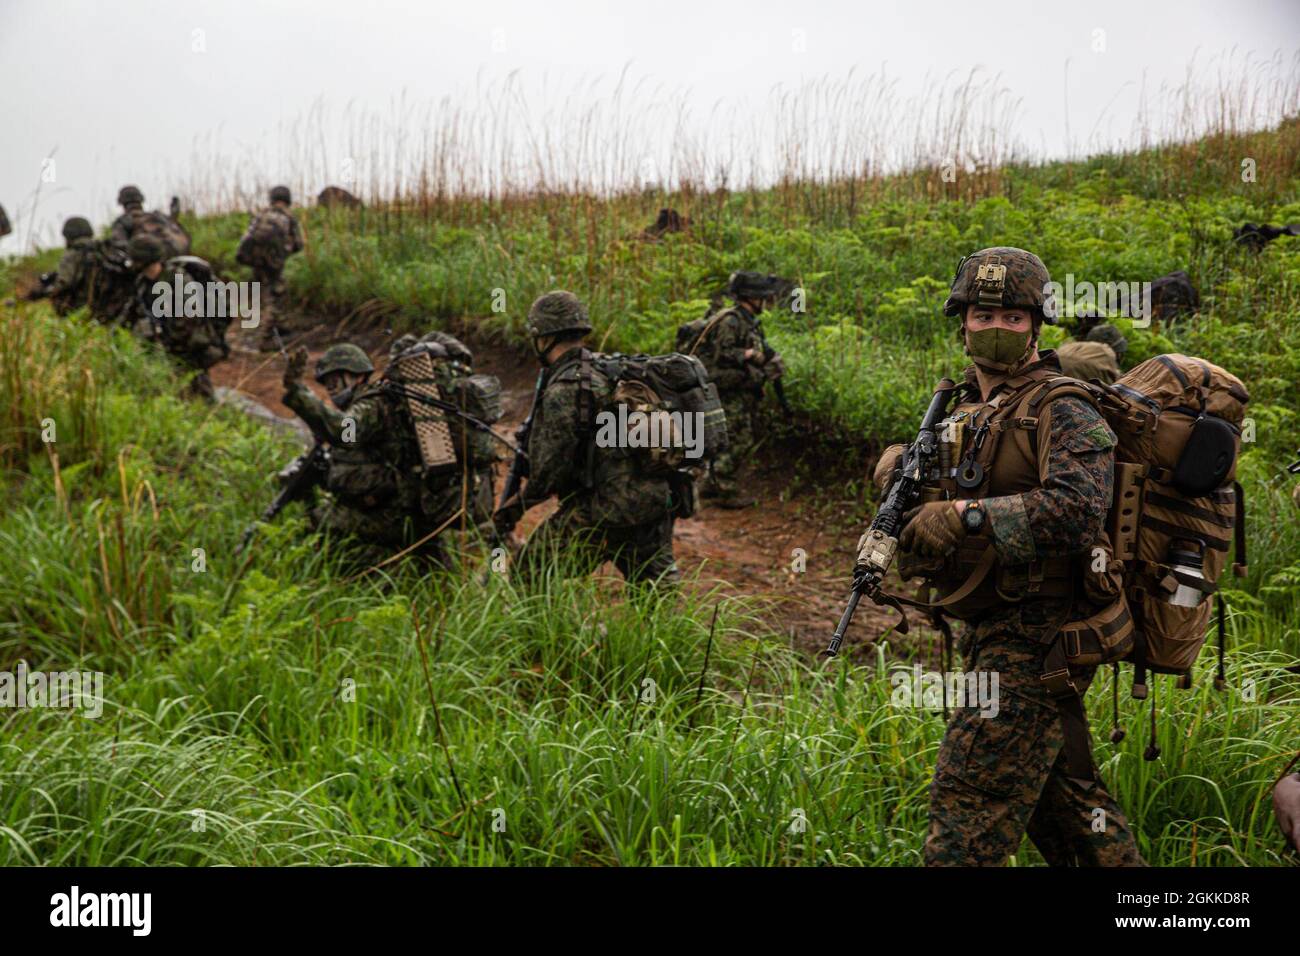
264	709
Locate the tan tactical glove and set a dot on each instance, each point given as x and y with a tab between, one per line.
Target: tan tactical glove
294	368
932	530
774	368
883	476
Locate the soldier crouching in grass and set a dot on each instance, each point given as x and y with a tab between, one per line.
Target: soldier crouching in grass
195	342
382	502
1009	549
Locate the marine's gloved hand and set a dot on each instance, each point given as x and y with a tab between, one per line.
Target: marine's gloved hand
932	530
910	565
774	368
294	368
507	516
883	476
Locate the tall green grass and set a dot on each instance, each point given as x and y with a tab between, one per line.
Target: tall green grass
274	711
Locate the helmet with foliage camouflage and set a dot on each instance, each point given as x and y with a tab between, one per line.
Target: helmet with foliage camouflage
280	194
1111	336
557	312
77	228
144	249
128	195
1001	276
757	285
344	357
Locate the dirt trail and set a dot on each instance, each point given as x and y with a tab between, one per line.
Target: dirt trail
752	549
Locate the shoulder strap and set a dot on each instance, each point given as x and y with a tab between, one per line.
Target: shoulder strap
586	419
704	332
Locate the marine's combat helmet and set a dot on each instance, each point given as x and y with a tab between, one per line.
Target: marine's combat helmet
130	195
144	249
1001	276
77	228
1109	335
344	357
756	285
280	194
557	312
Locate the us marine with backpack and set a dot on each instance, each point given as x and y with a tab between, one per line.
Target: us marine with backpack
619	495
1070	526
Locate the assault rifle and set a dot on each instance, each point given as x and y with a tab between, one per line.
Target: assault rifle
298	478
519	466
778	386
876	555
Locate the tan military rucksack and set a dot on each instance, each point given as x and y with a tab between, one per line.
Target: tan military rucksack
1177	510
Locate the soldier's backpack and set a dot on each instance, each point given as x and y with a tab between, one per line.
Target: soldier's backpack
677	408
690	335
197	331
266	242
175	240
1177	508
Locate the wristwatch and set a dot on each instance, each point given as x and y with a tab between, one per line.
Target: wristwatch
972	517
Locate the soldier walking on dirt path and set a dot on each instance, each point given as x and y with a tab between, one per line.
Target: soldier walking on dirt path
734	350
273	235
609	508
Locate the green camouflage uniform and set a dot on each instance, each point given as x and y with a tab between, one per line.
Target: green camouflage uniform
71	286
194	342
380	500
273	235
624	516
1002	776
722	349
119	233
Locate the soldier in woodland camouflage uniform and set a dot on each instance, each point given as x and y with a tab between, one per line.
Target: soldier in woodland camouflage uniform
70	287
739	362
380	501
273	235
195	342
1028	768
608	509
135	221
132	202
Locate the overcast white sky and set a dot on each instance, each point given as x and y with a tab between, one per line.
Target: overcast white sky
129	91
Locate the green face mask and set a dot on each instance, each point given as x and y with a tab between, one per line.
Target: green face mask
997	346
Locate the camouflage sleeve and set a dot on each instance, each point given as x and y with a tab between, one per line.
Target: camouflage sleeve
553	446
726	361
295	235
118	234
69	273
1066	514
362	421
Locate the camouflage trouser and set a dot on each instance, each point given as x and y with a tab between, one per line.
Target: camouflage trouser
371	537
1001	776
270	291
741	409
643	554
